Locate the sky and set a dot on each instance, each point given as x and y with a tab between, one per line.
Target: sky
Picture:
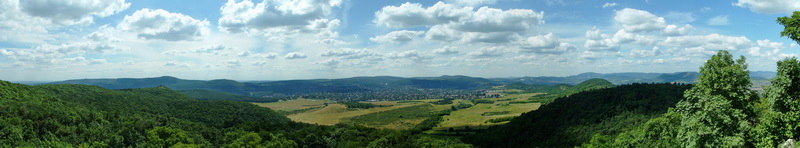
49	40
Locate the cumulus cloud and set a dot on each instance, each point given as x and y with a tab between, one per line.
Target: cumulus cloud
488	52
460	23
471	2
348	53
634	20
606	5
328	62
278	17
673	30
640	53
718	20
770	6
72	53
162	25
398	36
412	55
711	42
598	41
72	12
544	44
413	14
446	50
623	37
295	55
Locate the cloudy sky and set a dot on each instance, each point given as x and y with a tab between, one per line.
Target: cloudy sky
302	39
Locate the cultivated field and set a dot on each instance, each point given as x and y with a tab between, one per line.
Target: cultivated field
296	104
478	115
335	113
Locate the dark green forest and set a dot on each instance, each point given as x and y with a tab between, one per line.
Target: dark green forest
70	115
571	120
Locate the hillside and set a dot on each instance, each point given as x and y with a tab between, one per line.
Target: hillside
72	115
551	92
358	88
623	78
571	120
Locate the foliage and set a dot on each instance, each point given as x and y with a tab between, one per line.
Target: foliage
571	120
782	119
479	101
791	26
219	95
717	109
68	115
395	115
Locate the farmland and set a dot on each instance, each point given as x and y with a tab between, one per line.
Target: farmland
407	114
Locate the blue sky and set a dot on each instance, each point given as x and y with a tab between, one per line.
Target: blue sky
302	39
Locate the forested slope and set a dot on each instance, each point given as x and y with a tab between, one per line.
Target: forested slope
572	120
70	115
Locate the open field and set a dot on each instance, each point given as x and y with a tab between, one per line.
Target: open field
401	118
296	104
478	115
335	113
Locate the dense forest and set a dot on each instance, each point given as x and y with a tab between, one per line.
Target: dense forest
69	115
571	120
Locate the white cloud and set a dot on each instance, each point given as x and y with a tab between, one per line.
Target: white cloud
673	30
544	44
718	20
770	6
635	21
597	41
412	14
589	56
281	17
606	5
269	55
348	53
446	50
411	55
329	62
640	53
162	25
488	52
398	36
295	55
711	42
623	37
72	12
460	23
471	2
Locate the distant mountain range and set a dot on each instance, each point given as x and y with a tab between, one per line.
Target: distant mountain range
625	78
382	83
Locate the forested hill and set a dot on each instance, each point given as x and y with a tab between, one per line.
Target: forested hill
72	115
572	120
355	84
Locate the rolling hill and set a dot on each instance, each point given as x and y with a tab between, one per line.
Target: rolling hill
571	120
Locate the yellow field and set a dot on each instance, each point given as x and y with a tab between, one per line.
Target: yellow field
295	104
334	113
473	116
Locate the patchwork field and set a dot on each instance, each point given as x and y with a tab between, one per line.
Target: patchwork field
296	104
335	113
479	115
407	114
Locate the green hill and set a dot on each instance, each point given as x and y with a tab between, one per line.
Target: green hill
374	87
552	92
571	120
72	115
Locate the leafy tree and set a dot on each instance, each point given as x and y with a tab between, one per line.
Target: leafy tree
782	121
717	110
791	26
167	137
